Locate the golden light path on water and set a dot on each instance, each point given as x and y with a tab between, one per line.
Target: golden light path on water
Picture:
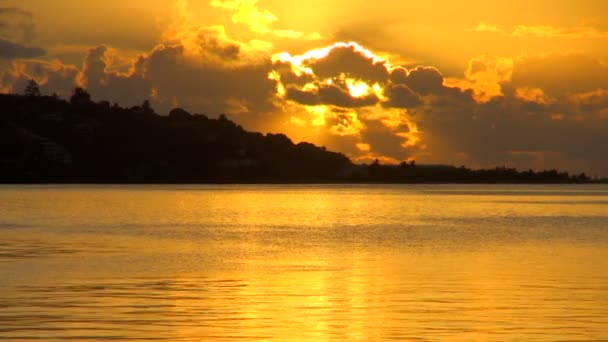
190	263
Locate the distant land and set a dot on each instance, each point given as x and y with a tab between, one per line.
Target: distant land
44	139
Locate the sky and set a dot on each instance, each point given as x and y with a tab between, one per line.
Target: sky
478	83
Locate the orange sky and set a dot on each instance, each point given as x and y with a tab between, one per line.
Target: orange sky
518	83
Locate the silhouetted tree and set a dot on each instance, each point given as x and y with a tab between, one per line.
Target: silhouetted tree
80	96
32	88
179	114
147	108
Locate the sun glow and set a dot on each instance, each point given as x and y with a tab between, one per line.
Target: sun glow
340	121
357	89
319	113
348	124
298	62
412	136
379	92
273	75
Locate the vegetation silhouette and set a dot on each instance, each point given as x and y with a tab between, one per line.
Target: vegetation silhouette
44	139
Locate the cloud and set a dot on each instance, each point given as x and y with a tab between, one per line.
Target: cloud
16	32
334	94
342	75
215	88
11	50
558	75
485	77
531	94
595	101
485	27
424	80
548	31
197	66
16	24
401	96
553	108
543	31
348	75
350	60
53	77
210	43
128	88
259	20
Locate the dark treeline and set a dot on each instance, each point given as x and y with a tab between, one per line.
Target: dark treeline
44	139
410	173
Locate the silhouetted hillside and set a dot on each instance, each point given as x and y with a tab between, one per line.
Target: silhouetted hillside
46	139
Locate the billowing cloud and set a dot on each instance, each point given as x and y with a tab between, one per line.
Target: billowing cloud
350	60
369	106
401	96
196	66
485	76
54	77
425	80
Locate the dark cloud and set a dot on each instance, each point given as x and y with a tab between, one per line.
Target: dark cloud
16	34
308	98
401	96
330	95
11	50
169	76
16	24
424	80
516	132
383	141
173	74
398	75
127	89
340	97
348	60
592	102
558	75
289	77
212	42
514	129
54	77
409	86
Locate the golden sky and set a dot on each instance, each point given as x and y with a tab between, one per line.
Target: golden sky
480	83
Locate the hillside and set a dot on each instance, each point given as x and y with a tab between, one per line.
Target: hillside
44	139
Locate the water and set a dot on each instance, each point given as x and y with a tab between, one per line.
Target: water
193	263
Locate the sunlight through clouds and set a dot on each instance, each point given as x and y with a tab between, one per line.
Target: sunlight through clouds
259	20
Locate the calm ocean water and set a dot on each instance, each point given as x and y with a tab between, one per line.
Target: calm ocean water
358	262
